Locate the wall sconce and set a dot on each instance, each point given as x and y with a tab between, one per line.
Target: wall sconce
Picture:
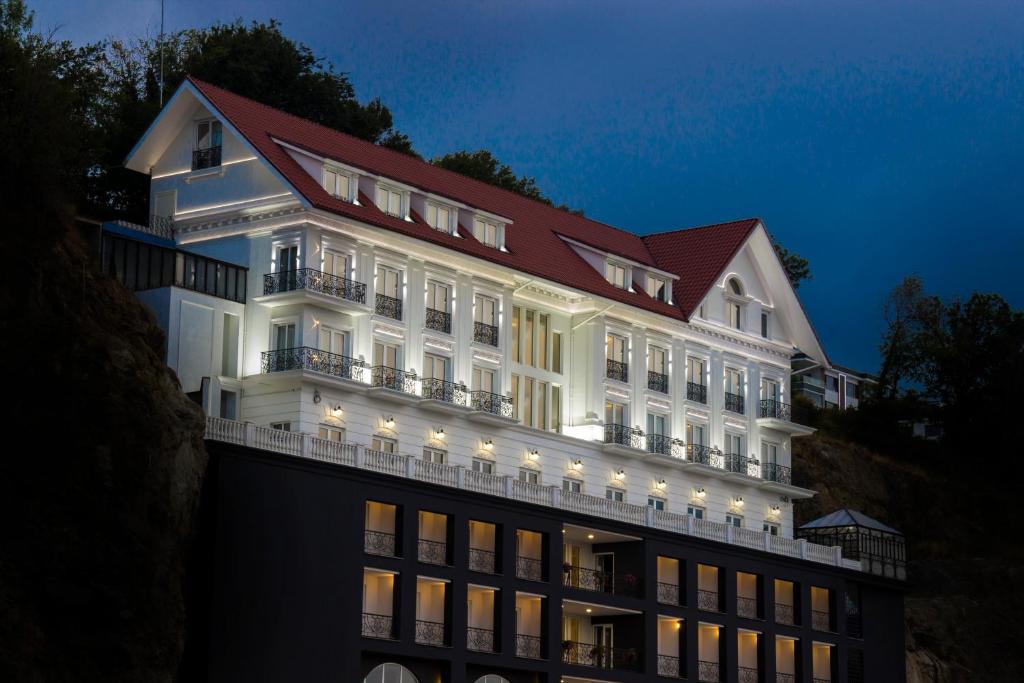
316	396
662	484
739	501
337	410
439	433
620	475
701	492
533	455
775	509
389	421
489	444
577	465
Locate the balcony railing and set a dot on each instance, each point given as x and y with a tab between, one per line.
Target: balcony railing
784	614
429	632
668	593
734	402
495	404
785	678
734	462
439	320
484	561
388	306
746	607
206	158
392	378
708	601
696	392
600	581
617	370
818	679
775	409
485	334
443	390
777	473
748	675
623	436
665	445
314	281
529	568
306	358
600	656
378	626
432	552
821	621
479	639
669	667
379	543
698	453
657	381
528	646
709	672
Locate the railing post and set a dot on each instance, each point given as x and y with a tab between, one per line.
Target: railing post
767	541
410	466
801	543
508	486
460	477
728	533
837	555
556	496
649	516
691	522
250	434
359	456
306	449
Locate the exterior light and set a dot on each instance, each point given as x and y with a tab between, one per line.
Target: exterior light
337	410
439	432
775	509
701	492
489	444
621	474
577	465
590	536
316	396
389	421
662	484
589	610
739	501
533	455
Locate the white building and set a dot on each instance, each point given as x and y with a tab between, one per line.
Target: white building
398	306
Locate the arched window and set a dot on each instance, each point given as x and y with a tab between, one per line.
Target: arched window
390	673
491	678
734	285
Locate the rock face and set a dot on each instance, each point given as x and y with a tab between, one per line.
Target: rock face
99	480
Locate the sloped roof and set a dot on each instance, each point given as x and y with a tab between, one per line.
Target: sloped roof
848	517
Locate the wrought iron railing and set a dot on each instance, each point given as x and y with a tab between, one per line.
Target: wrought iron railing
854	626
734	462
669	667
528	646
664	445
696	392
708	601
624	436
785	678
495	404
314	281
775	409
600	656
617	370
388	306
479	639
429	632
529	568
439	320
600	581
748	675
378	626
699	453
307	358
784	614
668	593
443	390
821	621
657	381
484	561
206	158
379	543
734	402
777	473
746	607
485	334
709	672
393	378
432	552
816	679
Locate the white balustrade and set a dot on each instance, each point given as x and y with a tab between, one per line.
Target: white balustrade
530	493
437	473
481	482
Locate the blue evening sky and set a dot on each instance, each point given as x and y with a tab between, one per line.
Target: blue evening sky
877	139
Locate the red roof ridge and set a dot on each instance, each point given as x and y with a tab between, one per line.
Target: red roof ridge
752	219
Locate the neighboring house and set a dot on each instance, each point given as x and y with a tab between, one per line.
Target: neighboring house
828	385
424	392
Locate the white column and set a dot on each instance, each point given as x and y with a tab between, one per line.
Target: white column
716	400
638	378
677	386
414	314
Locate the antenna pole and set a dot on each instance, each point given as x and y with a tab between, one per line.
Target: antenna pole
161	54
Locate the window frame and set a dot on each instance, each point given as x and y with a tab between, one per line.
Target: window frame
611	269
437	207
339	173
434	452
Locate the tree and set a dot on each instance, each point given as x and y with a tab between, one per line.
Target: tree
796	266
899	348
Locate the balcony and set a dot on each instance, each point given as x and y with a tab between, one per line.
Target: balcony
741	464
434	389
708	601
440	321
309	280
529	568
598	581
528	646
314	360
485	334
696	392
379	543
665	445
429	633
783	417
656	381
491	405
621	435
821	621
206	158
779	474
617	370
708	672
669	667
600	656
432	552
784	614
698	453
483	561
785	678
480	639
383	377
734	402
748	675
668	593
378	626
746	607
388	306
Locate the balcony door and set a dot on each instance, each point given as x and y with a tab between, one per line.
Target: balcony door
769	453
604	564
435	367
437	296
615	347
389	282
334	341
287	258
614	413
483	380
769	390
605	641
337	264
655	424
656	360
284	336
387	355
485	310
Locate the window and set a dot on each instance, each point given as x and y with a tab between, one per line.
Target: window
228	405
733	381
336	263
556	352
389	282
209	135
329	433
529	476
485	310
735	315
484	466
695	434
657	288
528	338
615	347
338	183
286	258
615	494
284	336
656	360
771	528
572	485
734	444
556	408
229	346
769	390
434	367
483	380
390	673
615	413
733	520
387	355
764	325
695	511
655	424
281	426
528	401
383	444
617	275
542	405
487	232
440	217
734	287
769	453
333	341
831	383
390	201
437	296
695	370
656	503
515	333
435	455
542	340
515	397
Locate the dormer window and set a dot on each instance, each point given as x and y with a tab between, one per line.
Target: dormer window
487	232
617	274
734	286
734	308
209	137
391	201
338	183
657	288
440	217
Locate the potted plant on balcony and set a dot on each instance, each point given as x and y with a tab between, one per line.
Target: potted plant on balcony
566	567
597	654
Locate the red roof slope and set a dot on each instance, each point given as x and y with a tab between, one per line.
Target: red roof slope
533	242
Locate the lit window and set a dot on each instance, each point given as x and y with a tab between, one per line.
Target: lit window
657	288
390	201
439	217
487	232
338	183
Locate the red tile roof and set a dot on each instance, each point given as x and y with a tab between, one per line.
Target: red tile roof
533	244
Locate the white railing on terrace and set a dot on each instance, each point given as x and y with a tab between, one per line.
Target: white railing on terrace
355	455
